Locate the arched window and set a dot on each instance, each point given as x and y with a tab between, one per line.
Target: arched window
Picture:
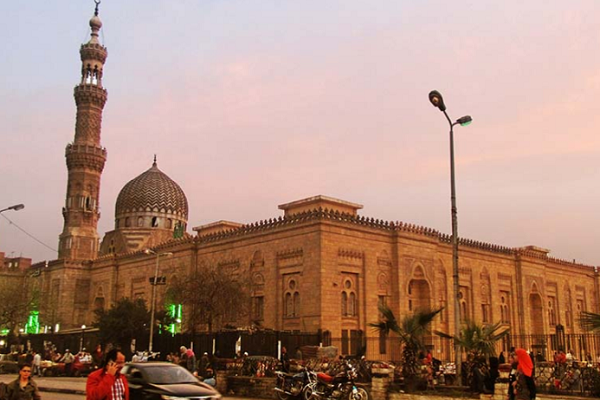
127	222
140	222
349	306
352	304
155	222
292	300
464	310
288	305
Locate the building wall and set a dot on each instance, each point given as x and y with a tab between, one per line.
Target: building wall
325	260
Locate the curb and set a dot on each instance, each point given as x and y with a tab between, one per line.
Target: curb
60	390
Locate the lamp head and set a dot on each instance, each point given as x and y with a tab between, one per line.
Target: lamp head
464	121
16	207
148	251
437	100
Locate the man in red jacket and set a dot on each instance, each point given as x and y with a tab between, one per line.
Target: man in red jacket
108	383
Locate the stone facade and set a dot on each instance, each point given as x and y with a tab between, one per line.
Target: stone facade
328	270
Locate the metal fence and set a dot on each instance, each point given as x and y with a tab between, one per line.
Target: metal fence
385	348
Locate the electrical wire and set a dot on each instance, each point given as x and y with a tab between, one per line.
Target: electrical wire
28	234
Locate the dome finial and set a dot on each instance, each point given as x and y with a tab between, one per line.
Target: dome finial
154	163
95	24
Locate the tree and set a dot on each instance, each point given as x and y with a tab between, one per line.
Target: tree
589	321
211	296
479	340
124	321
411	332
15	302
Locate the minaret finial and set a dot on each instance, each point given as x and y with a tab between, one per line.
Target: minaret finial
154	164
97	4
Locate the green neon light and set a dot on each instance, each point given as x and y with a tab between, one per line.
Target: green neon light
33	323
175	311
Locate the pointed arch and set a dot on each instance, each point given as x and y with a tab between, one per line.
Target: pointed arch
419	290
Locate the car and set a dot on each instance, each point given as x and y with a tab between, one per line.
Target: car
163	380
8	364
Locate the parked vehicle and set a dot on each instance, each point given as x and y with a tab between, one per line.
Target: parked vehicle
295	385
8	364
162	380
78	368
342	386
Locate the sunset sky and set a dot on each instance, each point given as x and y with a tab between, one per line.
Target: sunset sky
251	104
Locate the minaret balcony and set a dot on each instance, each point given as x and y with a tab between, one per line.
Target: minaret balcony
90	93
93	51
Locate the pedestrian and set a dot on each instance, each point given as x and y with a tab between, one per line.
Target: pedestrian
23	388
512	377
526	389
107	383
37	364
501	359
97	356
285	360
68	359
204	365
190	360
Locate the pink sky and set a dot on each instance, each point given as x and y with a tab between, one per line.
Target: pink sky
252	104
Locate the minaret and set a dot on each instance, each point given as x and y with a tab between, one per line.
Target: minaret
85	156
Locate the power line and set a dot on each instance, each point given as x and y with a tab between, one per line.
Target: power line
28	234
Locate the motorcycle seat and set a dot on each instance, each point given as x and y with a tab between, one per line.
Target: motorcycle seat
324	377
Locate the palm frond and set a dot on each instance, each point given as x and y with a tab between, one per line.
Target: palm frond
589	321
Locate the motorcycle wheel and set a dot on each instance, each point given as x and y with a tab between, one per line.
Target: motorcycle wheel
282	396
361	394
308	391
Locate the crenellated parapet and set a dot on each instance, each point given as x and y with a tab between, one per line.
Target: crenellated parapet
93	51
87	94
325	214
85	156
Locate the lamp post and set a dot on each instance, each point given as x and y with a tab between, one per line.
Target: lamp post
154	282
16	207
437	100
82	345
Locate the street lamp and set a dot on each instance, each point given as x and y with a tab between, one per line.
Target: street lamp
16	207
154	282
82	338
437	100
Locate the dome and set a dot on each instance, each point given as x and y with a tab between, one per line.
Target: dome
153	196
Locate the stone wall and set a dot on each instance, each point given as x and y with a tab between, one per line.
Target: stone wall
248	386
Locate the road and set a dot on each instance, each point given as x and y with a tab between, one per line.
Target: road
61	396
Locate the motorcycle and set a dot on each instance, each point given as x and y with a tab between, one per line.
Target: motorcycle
299	385
339	387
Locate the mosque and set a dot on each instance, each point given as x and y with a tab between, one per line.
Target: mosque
320	266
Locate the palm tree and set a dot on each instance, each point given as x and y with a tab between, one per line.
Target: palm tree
477	340
411	331
589	321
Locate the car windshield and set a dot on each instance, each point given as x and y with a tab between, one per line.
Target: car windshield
166	375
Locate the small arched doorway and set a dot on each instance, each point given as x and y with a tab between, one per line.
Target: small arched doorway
537	314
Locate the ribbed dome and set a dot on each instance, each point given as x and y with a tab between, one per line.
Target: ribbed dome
152	191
